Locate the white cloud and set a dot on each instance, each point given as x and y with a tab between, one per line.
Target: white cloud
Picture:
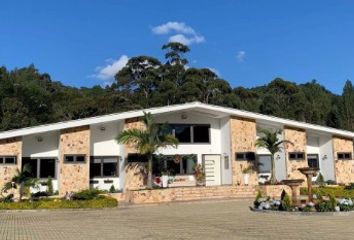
183	33
111	68
241	55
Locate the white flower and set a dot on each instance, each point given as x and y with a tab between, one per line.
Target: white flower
350	202
311	204
337	209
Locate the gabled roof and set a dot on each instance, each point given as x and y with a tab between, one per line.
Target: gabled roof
192	106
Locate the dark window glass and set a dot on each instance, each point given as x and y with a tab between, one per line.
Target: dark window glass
201	134
80	158
344	156
188	164
312	160
183	133
69	158
10	160
110	167
1	160
264	164
249	156
95	168
296	156
32	163
47	168
172	167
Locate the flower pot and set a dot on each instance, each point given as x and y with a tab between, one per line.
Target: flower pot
164	180
246	178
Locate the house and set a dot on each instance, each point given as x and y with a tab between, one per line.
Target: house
83	153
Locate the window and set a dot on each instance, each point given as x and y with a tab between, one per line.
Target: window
181	164
136	157
191	133
297	156
201	134
74	158
8	159
40	167
264	163
344	156
248	156
312	160
47	168
104	167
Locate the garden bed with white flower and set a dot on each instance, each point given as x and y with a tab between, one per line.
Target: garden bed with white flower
320	204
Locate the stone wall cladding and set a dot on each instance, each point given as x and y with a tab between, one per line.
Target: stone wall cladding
243	139
135	173
344	169
299	139
10	147
190	194
275	191
74	176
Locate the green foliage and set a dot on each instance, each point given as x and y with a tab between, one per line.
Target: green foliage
58	204
256	202
50	186
112	189
338	191
320	180
324	206
29	98
88	194
285	202
148	140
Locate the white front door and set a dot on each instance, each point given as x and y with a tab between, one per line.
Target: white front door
212	169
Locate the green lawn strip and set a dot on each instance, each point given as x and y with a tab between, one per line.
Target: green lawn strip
60	204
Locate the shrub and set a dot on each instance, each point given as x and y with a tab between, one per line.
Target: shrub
50	186
338	192
320	180
7	199
87	194
257	200
112	189
59	203
323	206
285	202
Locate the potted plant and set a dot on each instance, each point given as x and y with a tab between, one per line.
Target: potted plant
246	174
199	175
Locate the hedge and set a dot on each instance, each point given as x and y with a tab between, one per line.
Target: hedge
339	191
60	204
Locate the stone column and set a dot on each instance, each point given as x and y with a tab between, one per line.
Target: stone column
243	139
344	169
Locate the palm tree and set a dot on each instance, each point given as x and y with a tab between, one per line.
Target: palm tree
147	141
21	180
273	144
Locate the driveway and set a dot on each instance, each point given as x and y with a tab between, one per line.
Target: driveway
203	220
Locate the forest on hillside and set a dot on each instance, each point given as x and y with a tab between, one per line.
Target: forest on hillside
29	98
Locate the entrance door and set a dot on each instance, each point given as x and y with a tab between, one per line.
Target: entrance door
312	160
212	169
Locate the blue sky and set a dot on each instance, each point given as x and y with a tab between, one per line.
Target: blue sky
249	43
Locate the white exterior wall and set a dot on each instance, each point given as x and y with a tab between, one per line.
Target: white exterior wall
106	186
41	145
326	158
313	145
225	132
214	147
103	141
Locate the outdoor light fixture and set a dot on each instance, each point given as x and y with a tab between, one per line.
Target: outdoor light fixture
102	128
324	157
39	139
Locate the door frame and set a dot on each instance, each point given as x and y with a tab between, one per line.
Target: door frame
313	154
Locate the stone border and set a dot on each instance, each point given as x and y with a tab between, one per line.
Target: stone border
285	213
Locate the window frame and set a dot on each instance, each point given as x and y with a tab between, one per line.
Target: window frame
74	158
311	156
246	156
191	131
101	158
345	158
296	158
38	163
3	162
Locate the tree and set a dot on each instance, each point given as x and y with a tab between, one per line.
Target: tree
147	141
347	106
20	181
270	141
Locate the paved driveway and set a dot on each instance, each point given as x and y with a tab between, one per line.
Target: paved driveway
206	220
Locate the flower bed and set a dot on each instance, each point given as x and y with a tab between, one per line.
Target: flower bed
337	191
330	204
60	204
